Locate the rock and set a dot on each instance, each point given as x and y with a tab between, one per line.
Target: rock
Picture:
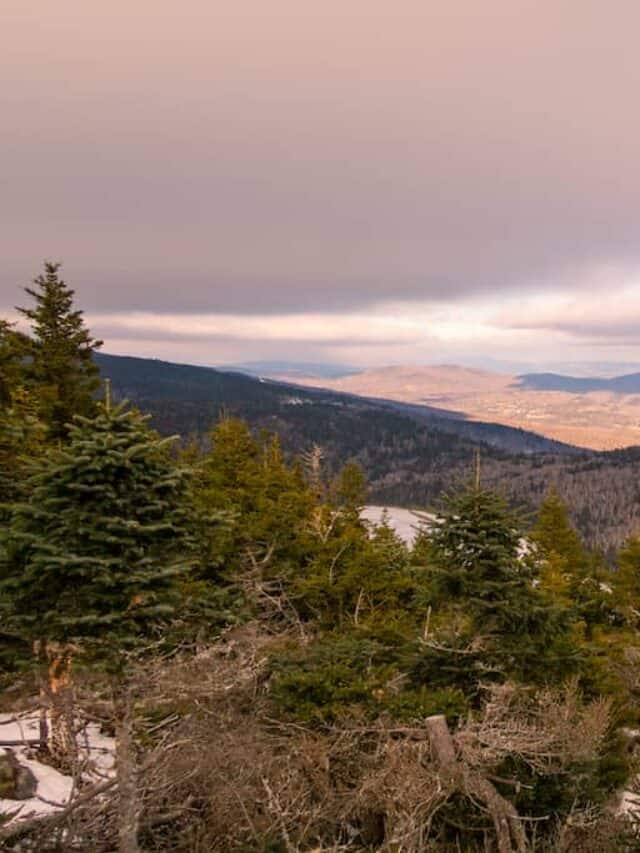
17	782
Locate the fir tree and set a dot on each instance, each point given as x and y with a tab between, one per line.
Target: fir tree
92	556
485	581
92	560
351	491
266	499
13	348
626	581
555	535
61	365
568	571
21	432
21	441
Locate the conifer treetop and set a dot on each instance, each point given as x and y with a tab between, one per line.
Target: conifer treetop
61	366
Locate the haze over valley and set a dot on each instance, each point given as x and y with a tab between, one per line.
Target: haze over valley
601	414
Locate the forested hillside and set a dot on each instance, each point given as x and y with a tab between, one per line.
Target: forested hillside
411	454
159	385
204	647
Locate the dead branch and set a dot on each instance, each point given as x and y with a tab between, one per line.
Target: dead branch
49	822
459	776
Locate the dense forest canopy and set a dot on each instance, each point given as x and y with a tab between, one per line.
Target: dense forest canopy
279	674
411	455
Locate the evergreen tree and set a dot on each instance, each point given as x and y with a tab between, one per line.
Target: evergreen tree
484	580
13	348
351	491
92	561
21	441
61	365
21	432
554	534
92	556
265	499
568	571
626	582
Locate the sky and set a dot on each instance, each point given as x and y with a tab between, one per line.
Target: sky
352	181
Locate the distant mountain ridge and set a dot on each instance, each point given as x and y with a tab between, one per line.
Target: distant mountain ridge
627	384
291	368
205	391
598	413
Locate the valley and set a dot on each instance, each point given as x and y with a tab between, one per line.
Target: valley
598	419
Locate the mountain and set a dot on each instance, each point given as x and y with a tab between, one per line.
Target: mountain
411	454
291	369
205	391
627	384
596	413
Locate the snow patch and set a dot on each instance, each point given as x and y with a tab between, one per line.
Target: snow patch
54	789
405	522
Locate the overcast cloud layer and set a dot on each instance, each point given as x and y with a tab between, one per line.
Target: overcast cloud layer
358	180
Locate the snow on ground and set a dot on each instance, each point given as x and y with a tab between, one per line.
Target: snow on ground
629	804
54	788
405	522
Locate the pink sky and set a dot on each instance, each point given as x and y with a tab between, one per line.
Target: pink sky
386	182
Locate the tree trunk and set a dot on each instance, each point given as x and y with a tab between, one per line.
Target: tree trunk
64	748
128	801
43	686
508	827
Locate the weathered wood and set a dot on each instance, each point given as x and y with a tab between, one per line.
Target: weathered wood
128	801
441	742
510	835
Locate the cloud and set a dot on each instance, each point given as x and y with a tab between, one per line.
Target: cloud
252	158
607	313
324	330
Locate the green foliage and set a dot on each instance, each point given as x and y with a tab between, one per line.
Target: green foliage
113	544
13	349
350	490
627	579
556	537
482	569
22	436
21	431
409	706
568	572
345	673
327	680
265	502
94	554
60	368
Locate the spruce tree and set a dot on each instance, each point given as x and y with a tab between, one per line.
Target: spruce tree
626	581
350	490
485	579
13	348
92	561
568	570
21	441
265	498
21	432
92	556
61	366
555	535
